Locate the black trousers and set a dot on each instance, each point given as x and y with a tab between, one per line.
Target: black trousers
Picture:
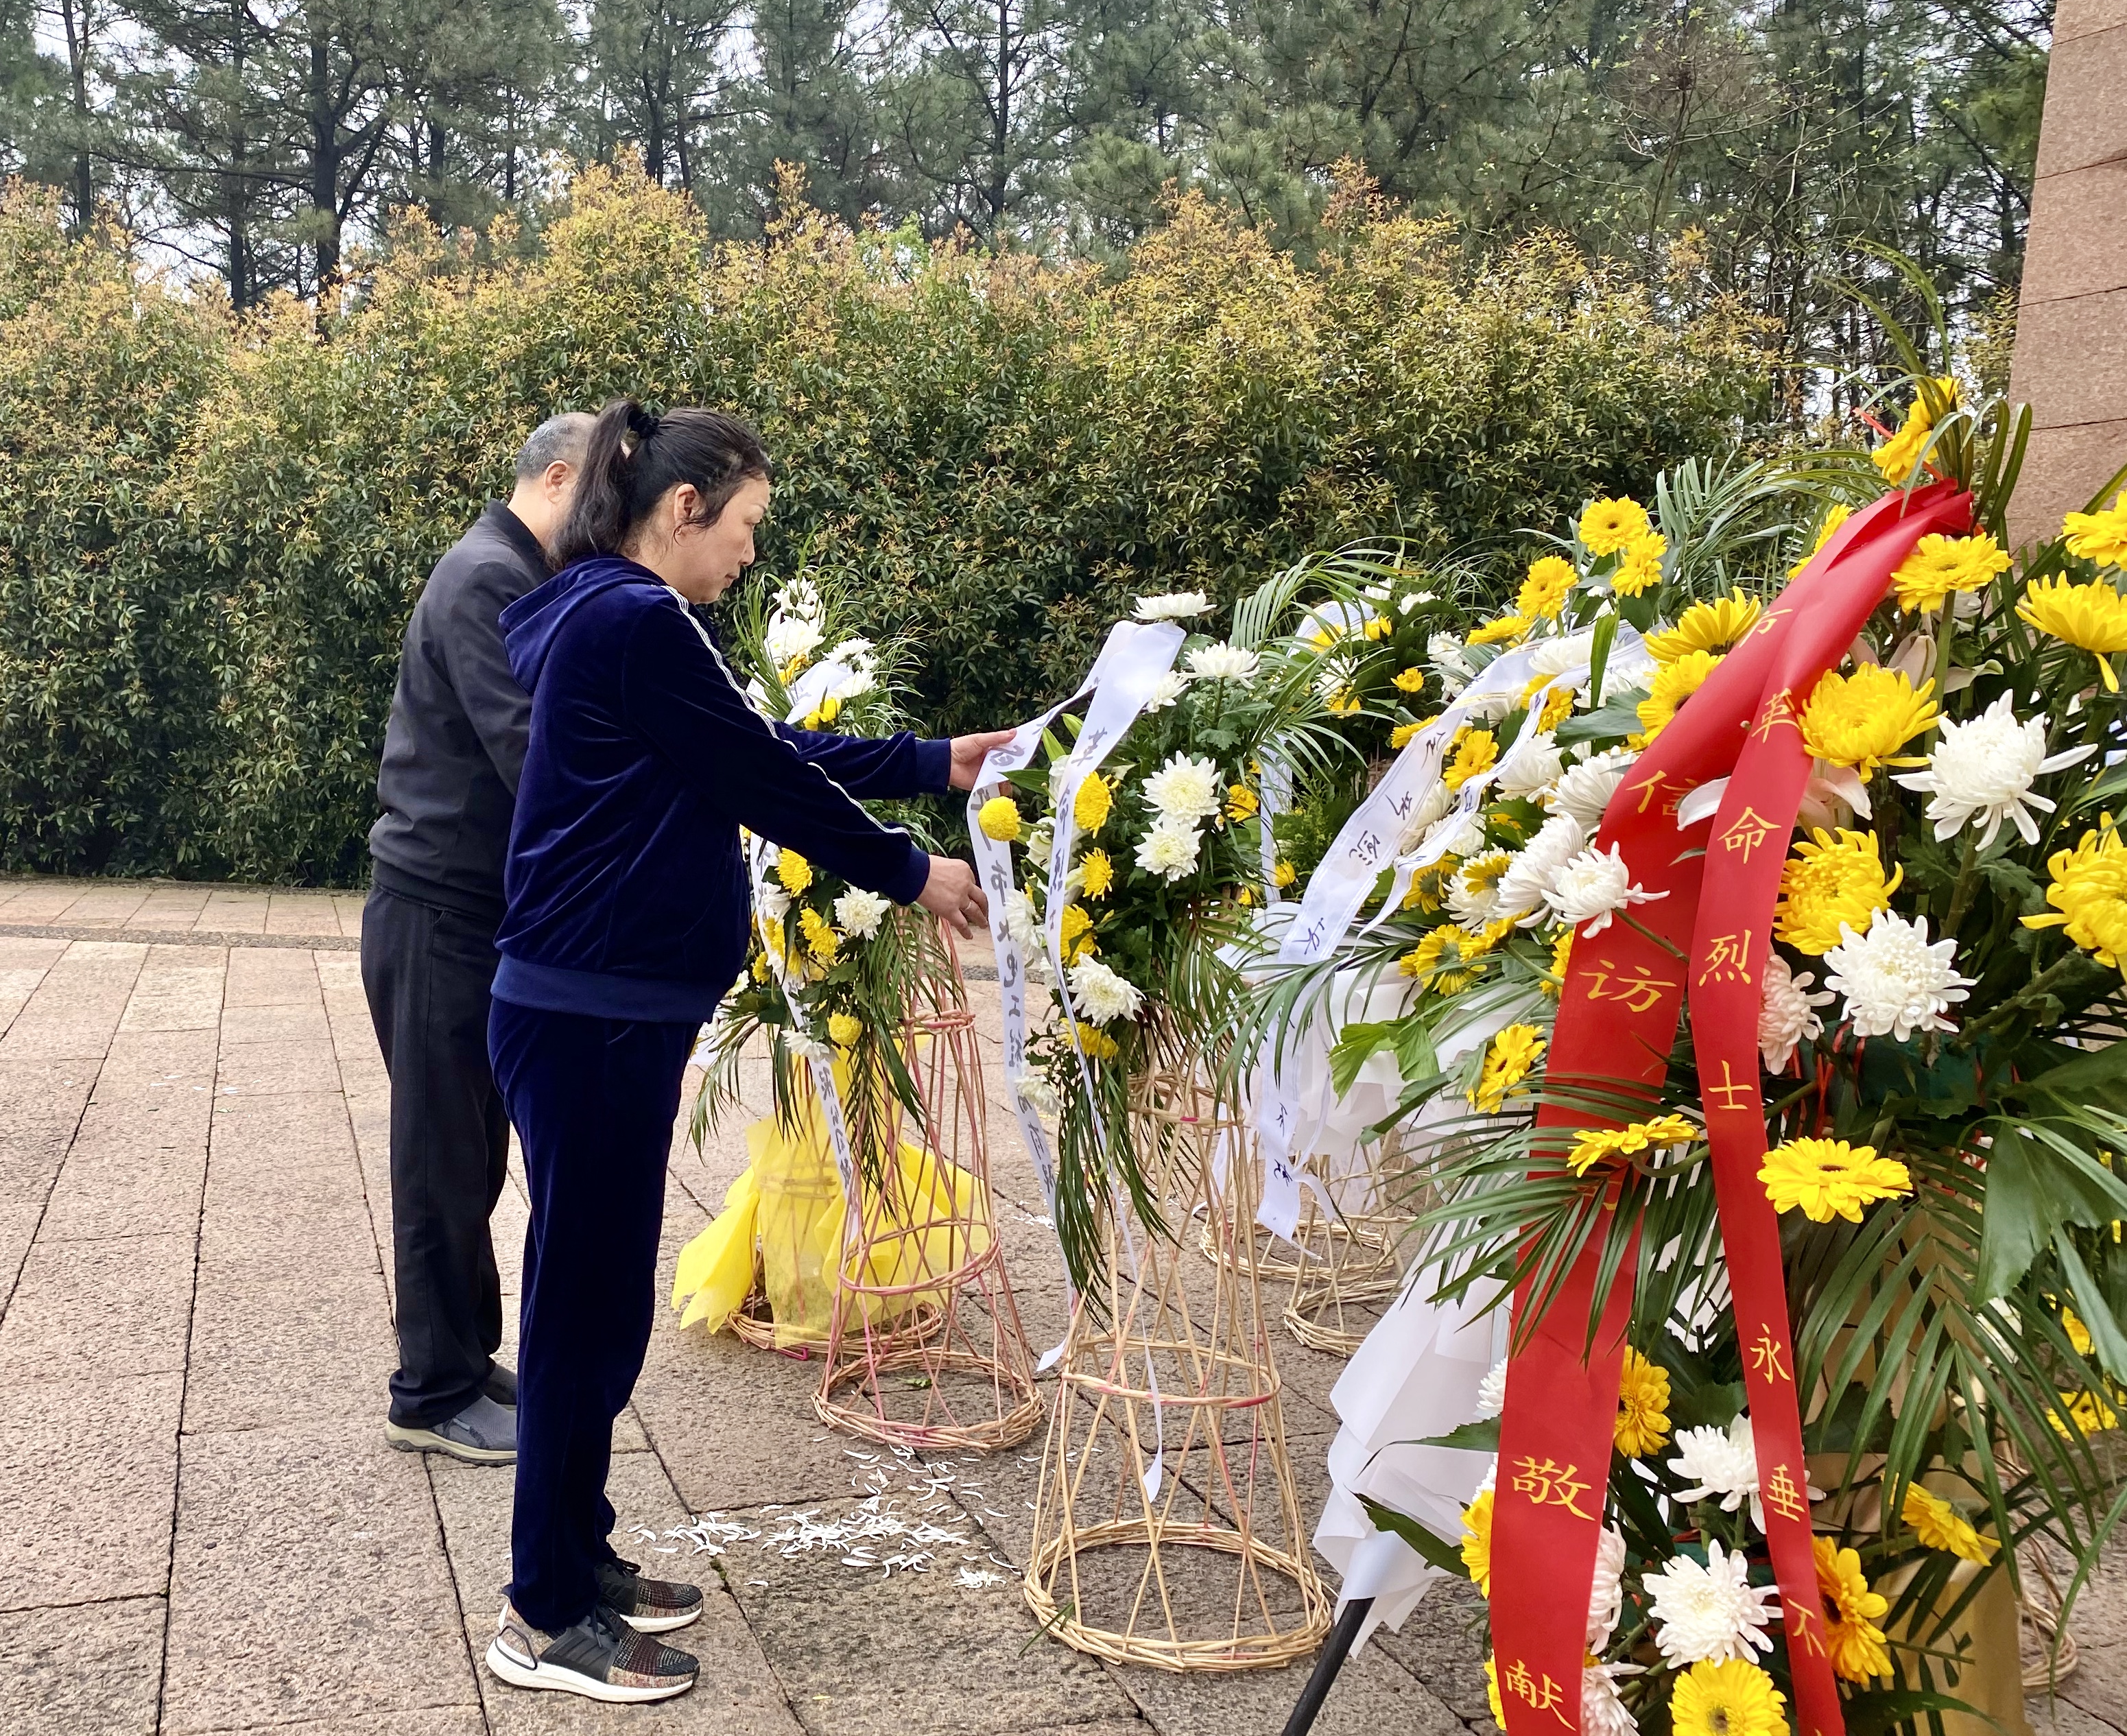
594	1100
427	972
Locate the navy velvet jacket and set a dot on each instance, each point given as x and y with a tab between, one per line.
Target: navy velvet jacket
627	895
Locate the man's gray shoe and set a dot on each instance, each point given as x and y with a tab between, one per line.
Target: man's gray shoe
601	1658
483	1433
501	1385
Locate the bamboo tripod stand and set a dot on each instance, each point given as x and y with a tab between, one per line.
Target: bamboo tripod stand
921	1244
1166	1530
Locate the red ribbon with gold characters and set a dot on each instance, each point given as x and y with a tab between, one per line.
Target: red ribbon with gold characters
1624	993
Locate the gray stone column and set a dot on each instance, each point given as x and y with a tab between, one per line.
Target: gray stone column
2071	358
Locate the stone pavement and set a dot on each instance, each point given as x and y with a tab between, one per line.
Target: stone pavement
202	1530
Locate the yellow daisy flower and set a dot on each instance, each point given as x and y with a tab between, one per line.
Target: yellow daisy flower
1851	1635
1379	626
2089	896
1642	1407
1284	875
1477	1541
1941	567
1830	881
1507	1062
1100	873
1501	629
1896	456
1342	703
1731	1698
1674	683
999	819
1473	751
2101	536
2092	617
1611	1145
1076	927
1091	808
1432	960
2088	1410
1543	592
1097	1043
1939	1525
1707	626
1428	886
1492	1691
1609	525
1640	566
1833	519
1861	719
1825	1178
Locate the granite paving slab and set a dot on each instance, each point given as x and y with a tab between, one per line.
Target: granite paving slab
81	1668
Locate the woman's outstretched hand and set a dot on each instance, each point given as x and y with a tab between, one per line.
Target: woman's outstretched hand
952	894
969	752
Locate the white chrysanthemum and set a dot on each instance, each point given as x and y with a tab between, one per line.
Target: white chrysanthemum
1473	894
1719	1464
1169	688
1041	1096
1895	983
1584	790
1172	606
1223	663
1981	772
808	1047
1099	994
1492	1391
1593	888
1460	834
1444	652
1535	870
1552	658
1405	604
1530	769
773	903
791	635
859	912
1185	791
1024	926
1710	1613
853	670
1426	812
1787	1014
1603	1713
1606	1597
1169	849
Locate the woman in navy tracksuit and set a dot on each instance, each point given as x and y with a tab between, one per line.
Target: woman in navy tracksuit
627	921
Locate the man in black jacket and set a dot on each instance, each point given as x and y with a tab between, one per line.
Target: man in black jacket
452	752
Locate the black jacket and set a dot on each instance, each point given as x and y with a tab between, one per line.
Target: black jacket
454	748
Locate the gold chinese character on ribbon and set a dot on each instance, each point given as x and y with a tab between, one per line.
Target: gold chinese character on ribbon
1803	1624
1730	1089
1765	1354
1728	957
1779	709
1783	1497
1541	1695
1649	786
1750	830
1641	991
1546	1485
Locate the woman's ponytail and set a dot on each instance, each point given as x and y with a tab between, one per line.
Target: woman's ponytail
634	458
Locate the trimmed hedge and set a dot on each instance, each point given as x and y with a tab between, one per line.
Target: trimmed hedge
211	529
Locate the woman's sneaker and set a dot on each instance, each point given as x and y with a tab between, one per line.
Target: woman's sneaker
600	1657
648	1605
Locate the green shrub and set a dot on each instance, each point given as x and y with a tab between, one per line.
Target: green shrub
211	530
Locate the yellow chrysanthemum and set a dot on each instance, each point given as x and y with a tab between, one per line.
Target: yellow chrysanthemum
1544	591
1428	886
1731	1698
1240	803
1939	1525
1283	875
1861	719
1399	737
1640	567
1609	525
1825	1178
1507	1062
999	819
2092	617
1434	960
1830	881
2089	896
1851	1635
1707	626
1379	626
1410	680
2101	536
1096	1044
2088	1410
2078	1335
1896	456
1076	931
1562	957
1501	629
788	672
1674	683
1091	808
1558	707
844	1029
1099	873
1610	1145
1477	1541
822	940
1642	1407
793	871
1941	567
1832	520
1474	751
1342	703
759	967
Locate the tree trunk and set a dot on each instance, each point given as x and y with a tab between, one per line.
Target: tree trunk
75	14
324	164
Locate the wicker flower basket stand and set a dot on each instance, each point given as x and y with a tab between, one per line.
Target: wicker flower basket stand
1166	1530
926	1349
1352	1271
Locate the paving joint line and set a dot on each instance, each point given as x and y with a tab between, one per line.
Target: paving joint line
215	938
